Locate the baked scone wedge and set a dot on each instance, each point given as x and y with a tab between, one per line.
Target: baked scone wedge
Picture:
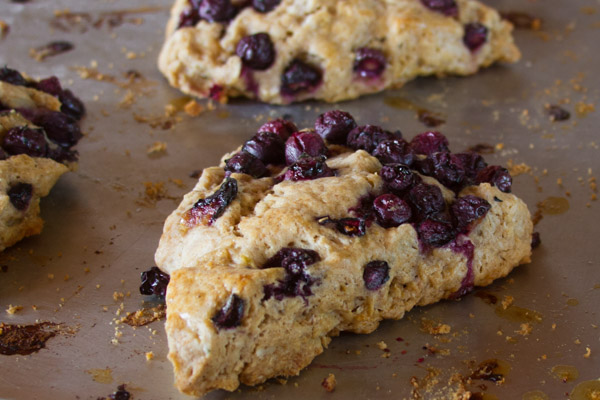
293	50
38	128
285	245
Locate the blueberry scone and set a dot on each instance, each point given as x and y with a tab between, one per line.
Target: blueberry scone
38	128
300	235
280	51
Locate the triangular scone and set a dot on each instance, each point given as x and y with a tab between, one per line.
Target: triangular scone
268	261
38	128
293	50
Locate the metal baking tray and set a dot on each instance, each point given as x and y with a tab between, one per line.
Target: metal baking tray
103	221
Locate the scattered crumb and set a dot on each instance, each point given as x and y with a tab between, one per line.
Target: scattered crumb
50	276
145	316
193	108
157	149
434	328
382	345
525	329
12	310
4	29
329	383
507	301
149	356
517	169
588	352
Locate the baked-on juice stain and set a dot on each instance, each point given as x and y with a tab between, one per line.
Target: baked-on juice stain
493	370
26	339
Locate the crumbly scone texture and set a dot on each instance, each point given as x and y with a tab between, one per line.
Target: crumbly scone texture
41	173
326	33
280	337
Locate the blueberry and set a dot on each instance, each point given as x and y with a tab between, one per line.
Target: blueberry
297	281
71	105
369	63
154	282
334	126
435	233
367	137
475	36
447	169
209	209
217	10
351	226
294	260
231	314
472	164
268	147
25	140
376	274
558	113
60	128
256	51
300	77
308	168
398	177
188	17
264	6
446	7
391	210
497	176
49	85
305	142
394	151
20	195
427	199
468	209
3	155
121	393
429	142
246	163
283	128
12	76
536	241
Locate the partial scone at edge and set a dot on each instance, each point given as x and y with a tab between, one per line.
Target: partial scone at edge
201	60
282	337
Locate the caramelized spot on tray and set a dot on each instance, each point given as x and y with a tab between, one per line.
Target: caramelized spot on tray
522	20
51	49
28	339
493	370
67	21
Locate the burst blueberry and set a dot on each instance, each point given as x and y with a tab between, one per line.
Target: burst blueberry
268	147
398	177
256	51
497	176
468	209
308	168
427	199
25	140
435	233
367	137
369	63
334	126
391	211
231	314
281	127
209	209
217	10
394	151
264	6
304	142
300	77
475	36
154	282
429	142
20	195
246	163
376	274
446	7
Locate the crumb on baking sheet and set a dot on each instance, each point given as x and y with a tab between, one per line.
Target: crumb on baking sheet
193	108
149	356
4	29
145	316
434	328
157	149
329	383
51	49
588	352
12	310
507	301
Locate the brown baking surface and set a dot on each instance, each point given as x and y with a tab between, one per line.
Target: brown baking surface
103	221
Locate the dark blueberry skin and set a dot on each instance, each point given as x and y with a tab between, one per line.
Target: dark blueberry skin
256	51
24	140
308	168
446	7
472	164
71	105
300	77
391	211
50	85
427	199
59	127
369	63
394	151
398	177
188	17
120	394
217	10
297	281
305	142
12	76
3	155
231	314
264	6
475	36
558	113
154	282
208	210
367	137
435	233
20	195
447	169
468	209
280	127
376	274
334	126
429	142
294	260
246	163
268	147
351	226
497	176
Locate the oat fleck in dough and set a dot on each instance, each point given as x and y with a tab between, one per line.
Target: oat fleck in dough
269	260
329	50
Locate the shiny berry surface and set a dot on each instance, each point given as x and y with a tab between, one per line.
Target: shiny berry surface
369	63
268	147
391	211
305	142
256	51
300	77
376	274
334	126
246	163
154	282
231	314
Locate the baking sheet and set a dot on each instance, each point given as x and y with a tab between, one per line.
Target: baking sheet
102	227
